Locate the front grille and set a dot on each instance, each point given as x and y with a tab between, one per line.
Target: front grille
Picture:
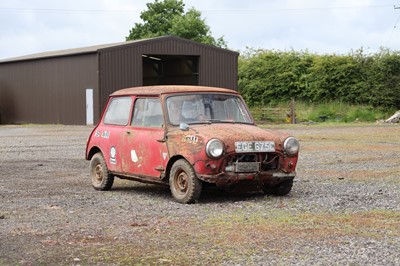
246	167
246	163
244	158
270	162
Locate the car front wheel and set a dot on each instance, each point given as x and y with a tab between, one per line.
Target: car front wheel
101	177
185	186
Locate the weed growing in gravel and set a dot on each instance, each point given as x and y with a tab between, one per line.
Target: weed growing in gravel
234	235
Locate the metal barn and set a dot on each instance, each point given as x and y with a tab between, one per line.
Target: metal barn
72	86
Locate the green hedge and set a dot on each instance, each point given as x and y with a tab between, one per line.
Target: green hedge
268	77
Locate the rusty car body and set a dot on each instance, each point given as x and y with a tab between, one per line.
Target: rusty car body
185	137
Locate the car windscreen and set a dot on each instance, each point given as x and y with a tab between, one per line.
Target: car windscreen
207	108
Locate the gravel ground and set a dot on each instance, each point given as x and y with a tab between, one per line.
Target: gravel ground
343	209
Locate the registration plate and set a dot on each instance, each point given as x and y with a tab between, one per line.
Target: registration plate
254	146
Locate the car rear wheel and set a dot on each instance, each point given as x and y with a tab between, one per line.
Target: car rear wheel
185	186
101	177
281	189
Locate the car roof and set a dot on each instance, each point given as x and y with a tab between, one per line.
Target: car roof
169	89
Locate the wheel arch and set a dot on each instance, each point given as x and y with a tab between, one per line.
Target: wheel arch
92	152
170	163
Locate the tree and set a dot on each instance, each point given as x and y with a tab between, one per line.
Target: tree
168	17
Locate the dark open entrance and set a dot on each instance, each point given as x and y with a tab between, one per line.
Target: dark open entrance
170	70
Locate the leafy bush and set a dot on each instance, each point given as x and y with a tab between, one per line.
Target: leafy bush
269	77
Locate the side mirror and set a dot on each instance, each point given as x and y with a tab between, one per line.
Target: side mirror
183	126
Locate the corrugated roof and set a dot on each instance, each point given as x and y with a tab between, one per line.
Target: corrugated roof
74	51
93	49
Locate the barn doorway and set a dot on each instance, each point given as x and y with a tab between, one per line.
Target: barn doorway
170	70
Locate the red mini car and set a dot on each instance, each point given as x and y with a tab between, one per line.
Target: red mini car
185	137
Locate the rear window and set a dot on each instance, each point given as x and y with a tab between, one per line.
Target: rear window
118	111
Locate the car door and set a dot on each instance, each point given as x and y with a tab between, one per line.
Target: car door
112	130
145	140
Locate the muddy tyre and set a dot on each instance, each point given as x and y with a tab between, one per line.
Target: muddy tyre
101	177
185	186
281	189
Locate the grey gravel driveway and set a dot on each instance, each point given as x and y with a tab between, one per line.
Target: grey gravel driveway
344	208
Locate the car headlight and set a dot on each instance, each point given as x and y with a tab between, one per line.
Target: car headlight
214	148
291	146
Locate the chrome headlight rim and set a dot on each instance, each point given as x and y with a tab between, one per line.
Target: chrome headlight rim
291	146
214	148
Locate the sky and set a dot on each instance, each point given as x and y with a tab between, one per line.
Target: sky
317	26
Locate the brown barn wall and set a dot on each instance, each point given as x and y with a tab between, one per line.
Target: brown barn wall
49	90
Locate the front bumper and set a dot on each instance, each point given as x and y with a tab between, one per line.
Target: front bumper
224	179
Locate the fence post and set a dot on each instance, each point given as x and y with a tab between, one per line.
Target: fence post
293	112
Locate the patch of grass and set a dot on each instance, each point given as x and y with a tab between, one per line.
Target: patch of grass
237	236
337	112
284	224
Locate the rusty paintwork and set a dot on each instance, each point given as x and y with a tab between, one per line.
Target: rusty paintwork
191	146
169	89
148	154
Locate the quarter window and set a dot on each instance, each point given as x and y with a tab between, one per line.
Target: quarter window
118	111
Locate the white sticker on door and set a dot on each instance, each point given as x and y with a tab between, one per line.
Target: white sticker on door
113	155
134	157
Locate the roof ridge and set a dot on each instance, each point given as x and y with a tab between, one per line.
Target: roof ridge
96	48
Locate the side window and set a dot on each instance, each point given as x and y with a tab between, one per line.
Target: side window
118	111
147	113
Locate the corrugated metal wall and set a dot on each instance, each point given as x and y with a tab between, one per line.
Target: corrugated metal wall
52	90
121	67
48	90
